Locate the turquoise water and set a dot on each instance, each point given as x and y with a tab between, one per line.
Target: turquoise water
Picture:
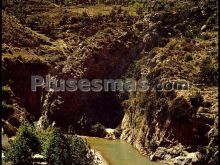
117	152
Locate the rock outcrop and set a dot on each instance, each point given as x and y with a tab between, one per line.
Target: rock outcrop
174	126
162	43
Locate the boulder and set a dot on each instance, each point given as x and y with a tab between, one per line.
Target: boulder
159	154
203	28
112	134
203	110
43	122
190	159
5	142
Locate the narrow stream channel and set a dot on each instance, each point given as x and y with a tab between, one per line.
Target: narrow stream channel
117	152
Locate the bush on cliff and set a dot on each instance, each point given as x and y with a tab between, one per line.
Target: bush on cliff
180	110
196	100
209	72
188	57
7	110
98	130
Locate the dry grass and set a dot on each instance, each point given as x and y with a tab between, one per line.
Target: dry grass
99	9
24	55
90	10
173	55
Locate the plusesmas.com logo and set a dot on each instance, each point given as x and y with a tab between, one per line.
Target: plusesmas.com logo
50	83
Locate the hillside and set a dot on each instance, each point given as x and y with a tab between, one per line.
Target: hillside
156	40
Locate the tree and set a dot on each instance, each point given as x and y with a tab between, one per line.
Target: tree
24	146
80	151
67	150
57	150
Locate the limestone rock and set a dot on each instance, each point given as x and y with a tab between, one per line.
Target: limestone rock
203	28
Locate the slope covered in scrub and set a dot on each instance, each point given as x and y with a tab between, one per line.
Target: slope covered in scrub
156	40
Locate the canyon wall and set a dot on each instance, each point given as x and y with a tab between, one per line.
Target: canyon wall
159	45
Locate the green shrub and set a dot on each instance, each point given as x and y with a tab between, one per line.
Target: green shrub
188	57
52	143
180	110
85	14
134	70
7	110
24	146
196	100
6	88
209	72
57	149
107	30
139	11
159	5
44	135
7	92
98	130
80	152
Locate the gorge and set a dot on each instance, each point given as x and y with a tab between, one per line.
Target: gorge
170	41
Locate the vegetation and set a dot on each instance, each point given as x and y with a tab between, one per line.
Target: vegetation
209	72
160	40
188	57
24	146
180	110
80	148
196	100
52	143
7	107
98	130
7	110
57	150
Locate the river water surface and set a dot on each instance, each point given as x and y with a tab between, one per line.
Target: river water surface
117	152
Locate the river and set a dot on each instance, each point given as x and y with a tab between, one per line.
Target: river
117	152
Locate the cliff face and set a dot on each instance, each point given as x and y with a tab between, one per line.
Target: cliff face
176	126
101	59
19	64
171	128
104	53
161	43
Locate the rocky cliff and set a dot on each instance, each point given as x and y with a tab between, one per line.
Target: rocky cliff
171	41
177	126
74	48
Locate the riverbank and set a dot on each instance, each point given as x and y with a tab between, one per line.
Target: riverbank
99	158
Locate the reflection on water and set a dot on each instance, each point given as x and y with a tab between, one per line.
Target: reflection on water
118	152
